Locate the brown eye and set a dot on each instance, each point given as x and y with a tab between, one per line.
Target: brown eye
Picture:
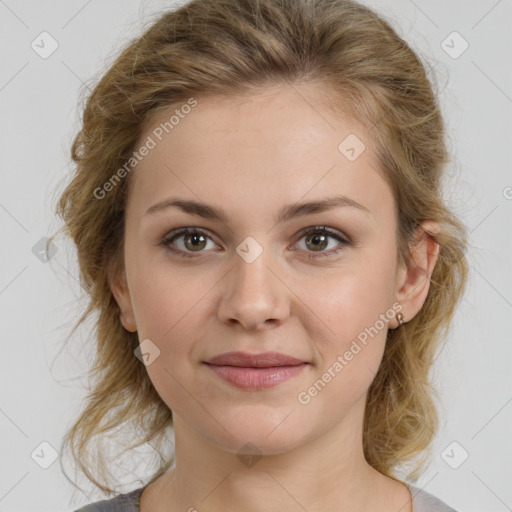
317	242
194	241
317	239
186	241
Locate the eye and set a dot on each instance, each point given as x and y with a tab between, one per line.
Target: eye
194	240
317	238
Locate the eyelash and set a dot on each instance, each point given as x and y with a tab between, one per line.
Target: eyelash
173	235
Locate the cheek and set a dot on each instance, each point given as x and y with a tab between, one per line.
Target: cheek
350	301
172	310
350	344
164	296
169	307
348	316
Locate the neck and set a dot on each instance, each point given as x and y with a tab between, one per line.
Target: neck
328	473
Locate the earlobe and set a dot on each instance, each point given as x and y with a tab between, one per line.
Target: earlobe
128	322
119	287
416	278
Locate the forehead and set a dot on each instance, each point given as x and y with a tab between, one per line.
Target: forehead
274	146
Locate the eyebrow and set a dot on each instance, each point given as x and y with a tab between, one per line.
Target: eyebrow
287	213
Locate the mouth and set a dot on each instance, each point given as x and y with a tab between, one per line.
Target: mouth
255	371
262	360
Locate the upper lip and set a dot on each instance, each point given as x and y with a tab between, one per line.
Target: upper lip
262	360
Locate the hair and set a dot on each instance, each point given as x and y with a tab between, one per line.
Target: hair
235	47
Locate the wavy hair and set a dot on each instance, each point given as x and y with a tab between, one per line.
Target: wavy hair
228	47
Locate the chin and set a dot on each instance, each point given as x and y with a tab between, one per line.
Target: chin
256	435
246	446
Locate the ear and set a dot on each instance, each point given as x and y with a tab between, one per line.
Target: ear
413	281
119	287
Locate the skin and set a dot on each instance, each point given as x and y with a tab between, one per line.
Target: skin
251	157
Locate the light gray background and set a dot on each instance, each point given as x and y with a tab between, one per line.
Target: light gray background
42	388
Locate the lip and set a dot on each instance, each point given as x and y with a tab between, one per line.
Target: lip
255	371
262	360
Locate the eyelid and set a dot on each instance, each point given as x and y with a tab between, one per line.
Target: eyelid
178	232
334	233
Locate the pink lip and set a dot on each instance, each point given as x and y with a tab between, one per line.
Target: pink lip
246	359
255	371
257	378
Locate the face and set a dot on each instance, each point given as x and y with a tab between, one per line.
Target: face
308	285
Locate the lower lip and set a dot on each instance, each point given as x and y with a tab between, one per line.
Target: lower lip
257	378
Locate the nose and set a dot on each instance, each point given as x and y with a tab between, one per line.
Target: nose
254	295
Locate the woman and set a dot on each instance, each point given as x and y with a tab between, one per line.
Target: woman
259	224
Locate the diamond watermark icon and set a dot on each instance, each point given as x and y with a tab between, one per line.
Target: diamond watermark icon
454	455
249	455
454	45
351	147
44	251
44	455
44	45
147	352
249	249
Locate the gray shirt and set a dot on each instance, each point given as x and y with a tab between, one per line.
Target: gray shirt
422	501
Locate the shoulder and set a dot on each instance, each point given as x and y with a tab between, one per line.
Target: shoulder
423	501
128	502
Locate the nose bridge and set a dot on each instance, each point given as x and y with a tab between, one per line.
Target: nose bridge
251	266
252	277
253	294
